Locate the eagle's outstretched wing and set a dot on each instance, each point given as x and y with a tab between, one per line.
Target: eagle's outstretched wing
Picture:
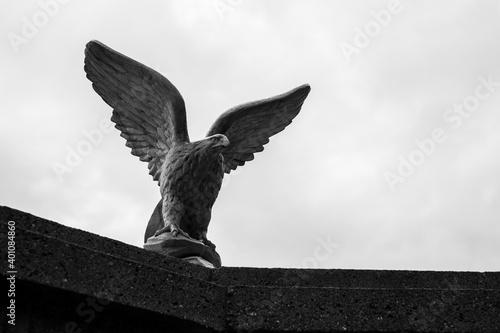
148	109
249	126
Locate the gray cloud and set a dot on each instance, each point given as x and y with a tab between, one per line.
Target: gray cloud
323	176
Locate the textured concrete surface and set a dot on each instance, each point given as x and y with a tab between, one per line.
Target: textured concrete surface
70	280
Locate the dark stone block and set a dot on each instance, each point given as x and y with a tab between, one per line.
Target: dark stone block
72	280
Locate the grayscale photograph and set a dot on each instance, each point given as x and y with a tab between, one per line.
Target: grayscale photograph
250	166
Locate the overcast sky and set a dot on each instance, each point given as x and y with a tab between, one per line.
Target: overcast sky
393	162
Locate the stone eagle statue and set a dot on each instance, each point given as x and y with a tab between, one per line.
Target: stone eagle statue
150	113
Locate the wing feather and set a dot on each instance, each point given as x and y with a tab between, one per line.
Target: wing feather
147	108
249	126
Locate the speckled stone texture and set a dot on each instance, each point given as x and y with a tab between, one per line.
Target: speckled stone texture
70	280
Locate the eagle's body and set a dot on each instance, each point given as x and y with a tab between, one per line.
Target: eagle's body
150	113
190	181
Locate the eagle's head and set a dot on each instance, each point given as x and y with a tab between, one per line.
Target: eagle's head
212	145
217	142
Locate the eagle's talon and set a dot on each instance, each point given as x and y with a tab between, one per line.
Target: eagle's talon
172	229
161	231
183	233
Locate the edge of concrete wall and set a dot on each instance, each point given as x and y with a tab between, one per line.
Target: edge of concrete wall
69	280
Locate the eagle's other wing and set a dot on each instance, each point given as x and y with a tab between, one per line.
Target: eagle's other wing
148	109
249	126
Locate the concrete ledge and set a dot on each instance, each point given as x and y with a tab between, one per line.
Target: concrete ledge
69	280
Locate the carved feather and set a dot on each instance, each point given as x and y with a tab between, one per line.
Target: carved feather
249	126
148	109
